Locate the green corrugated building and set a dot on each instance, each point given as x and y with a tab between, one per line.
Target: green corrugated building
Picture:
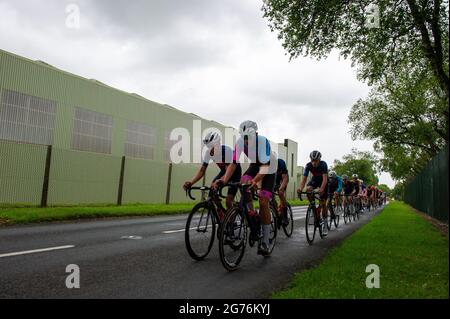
90	127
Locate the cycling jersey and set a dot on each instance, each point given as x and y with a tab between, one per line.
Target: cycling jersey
334	184
223	158
317	176
258	152
356	186
349	187
281	170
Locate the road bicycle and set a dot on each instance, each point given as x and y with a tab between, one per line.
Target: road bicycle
348	209
334	213
313	219
238	222
285	220
202	222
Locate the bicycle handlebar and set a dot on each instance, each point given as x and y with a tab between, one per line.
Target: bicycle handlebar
203	188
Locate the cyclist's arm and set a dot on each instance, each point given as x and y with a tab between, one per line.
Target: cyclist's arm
302	183
230	170
201	172
284	181
263	171
324	181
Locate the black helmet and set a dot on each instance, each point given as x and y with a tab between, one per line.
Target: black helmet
315	155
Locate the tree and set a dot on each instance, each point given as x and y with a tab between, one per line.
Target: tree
362	163
406	117
398	193
410	30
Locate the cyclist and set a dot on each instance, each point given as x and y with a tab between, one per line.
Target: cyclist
369	193
349	189
257	149
221	155
281	183
319	171
334	187
363	195
357	191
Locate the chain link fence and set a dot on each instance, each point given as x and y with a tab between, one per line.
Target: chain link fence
428	191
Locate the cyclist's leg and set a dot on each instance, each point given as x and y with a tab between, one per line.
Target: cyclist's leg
251	172
232	191
265	195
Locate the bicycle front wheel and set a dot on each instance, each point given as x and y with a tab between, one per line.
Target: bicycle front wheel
200	231
289	228
233	239
310	225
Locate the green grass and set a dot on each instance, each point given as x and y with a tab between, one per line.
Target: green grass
412	256
25	214
11	216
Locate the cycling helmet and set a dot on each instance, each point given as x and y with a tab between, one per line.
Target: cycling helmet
248	128
315	155
332	174
211	139
355	176
344	177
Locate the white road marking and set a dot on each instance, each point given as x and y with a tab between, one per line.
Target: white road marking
27	252
131	237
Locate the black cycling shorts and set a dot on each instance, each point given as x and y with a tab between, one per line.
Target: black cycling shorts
268	181
317	183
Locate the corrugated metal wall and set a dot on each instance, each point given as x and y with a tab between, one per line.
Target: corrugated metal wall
83	177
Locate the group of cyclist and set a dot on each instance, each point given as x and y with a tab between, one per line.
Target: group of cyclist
268	178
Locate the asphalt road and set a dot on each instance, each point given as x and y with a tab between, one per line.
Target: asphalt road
152	263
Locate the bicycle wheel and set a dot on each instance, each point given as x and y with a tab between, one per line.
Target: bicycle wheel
289	228
200	231
347	215
233	239
310	225
273	229
337	216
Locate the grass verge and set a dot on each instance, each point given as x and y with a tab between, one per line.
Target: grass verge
412	256
25	214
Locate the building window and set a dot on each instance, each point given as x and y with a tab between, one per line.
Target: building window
26	118
92	132
139	140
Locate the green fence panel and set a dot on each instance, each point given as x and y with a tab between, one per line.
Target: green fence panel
428	191
145	181
22	169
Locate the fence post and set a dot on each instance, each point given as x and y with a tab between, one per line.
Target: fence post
122	174
169	180
48	161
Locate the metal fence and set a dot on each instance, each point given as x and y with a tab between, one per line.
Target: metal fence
39	175
428	191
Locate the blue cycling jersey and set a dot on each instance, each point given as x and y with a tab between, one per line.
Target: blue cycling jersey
335	184
318	171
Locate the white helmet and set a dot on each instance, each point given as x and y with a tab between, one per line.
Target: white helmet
355	176
248	128
332	174
315	155
211	139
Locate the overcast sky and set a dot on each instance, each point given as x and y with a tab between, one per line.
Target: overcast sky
215	58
